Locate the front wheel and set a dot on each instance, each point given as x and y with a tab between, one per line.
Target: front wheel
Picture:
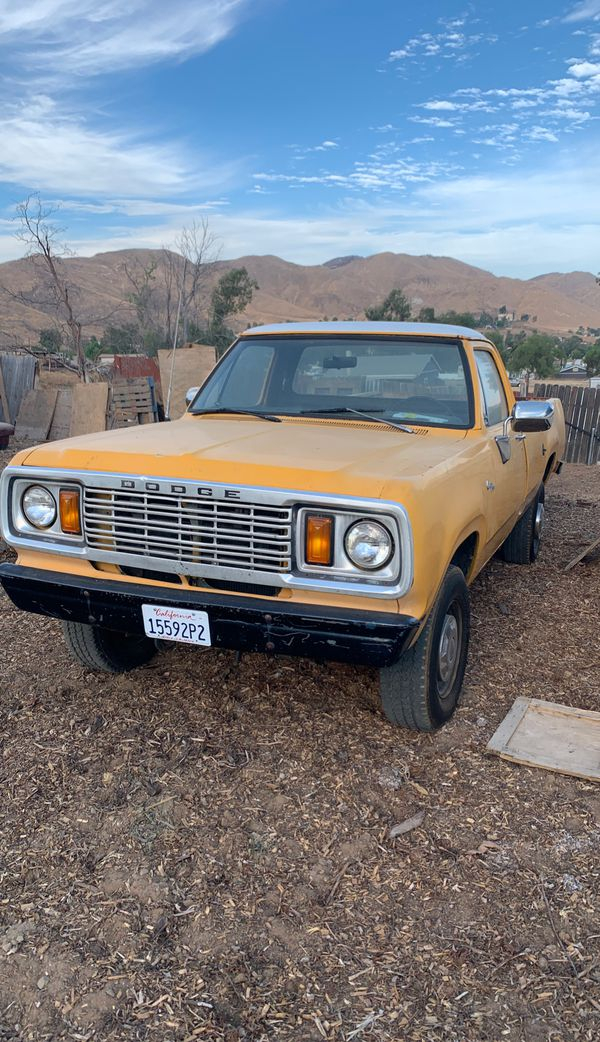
107	651
422	689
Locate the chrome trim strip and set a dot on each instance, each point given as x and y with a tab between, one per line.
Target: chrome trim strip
359	585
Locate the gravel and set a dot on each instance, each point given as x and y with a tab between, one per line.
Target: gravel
201	849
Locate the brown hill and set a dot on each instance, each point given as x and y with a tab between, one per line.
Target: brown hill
294	292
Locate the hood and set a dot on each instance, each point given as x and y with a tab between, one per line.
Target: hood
336	457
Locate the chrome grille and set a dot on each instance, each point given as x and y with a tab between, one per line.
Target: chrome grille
188	530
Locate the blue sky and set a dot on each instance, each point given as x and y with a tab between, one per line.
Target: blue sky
309	128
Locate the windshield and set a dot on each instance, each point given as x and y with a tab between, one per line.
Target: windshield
420	381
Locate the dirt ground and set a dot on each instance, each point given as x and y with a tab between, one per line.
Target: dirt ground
200	850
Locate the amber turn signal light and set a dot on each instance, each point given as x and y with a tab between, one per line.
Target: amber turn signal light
319	540
70	518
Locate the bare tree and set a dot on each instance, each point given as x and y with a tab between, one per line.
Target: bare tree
175	282
53	291
145	295
199	248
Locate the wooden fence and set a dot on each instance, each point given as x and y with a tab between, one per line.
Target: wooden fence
582	417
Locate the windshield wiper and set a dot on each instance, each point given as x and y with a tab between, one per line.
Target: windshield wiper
357	412
238	412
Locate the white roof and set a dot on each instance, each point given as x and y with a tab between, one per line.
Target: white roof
414	328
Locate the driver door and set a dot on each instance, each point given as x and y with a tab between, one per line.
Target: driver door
506	485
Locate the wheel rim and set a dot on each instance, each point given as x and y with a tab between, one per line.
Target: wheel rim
449	651
539	521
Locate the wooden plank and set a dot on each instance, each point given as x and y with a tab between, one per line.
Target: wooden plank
577	421
192	365
594	454
88	413
552	736
587	422
5	411
36	414
61	421
569	403
18	376
503	734
580	556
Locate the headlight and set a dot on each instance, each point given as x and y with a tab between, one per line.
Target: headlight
368	545
39	506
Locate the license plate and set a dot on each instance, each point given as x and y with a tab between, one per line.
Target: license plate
183	624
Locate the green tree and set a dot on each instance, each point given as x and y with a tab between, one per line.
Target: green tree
395	308
458	318
497	338
592	359
122	340
93	349
51	340
231	295
427	315
535	356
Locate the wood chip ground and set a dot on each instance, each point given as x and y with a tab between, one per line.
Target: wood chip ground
202	850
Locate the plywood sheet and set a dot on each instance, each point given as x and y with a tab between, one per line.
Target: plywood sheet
546	734
61	421
193	363
36	415
17	377
57	378
88	412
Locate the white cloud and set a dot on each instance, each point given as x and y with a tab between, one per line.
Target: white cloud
518	223
432	121
88	36
450	43
440	106
587	9
58	152
564	105
584	69
541	134
372	174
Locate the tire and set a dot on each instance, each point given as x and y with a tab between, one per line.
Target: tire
422	689
522	546
107	651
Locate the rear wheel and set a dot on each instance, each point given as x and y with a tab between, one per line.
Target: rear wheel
522	546
422	689
107	651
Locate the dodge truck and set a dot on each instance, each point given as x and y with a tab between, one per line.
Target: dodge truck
331	491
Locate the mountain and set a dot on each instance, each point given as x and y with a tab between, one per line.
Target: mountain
340	288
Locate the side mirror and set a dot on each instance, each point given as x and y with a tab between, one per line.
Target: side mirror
528	417
190	395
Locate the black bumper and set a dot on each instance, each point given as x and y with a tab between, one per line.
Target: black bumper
242	623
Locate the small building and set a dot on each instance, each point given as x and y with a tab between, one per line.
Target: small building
574	367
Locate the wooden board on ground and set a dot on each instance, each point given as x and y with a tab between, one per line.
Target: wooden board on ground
36	414
581	556
193	363
88	413
555	737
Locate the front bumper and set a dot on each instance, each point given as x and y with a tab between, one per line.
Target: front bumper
242	623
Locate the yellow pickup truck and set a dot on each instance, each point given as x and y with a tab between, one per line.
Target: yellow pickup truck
331	491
